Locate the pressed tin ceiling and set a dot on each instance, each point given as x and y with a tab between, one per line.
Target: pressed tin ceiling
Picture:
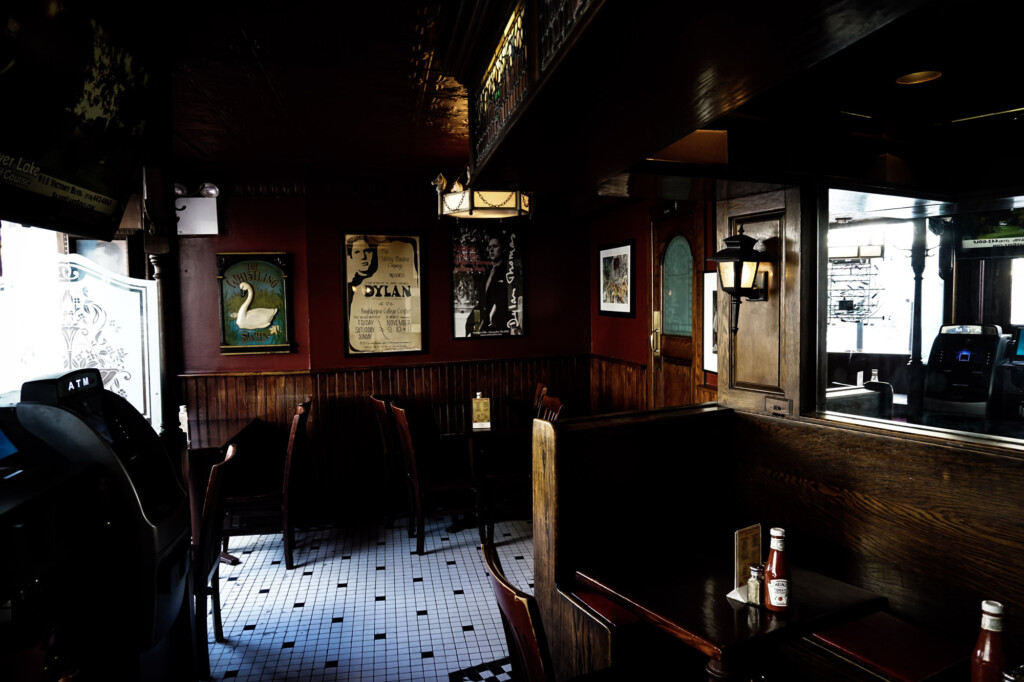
355	86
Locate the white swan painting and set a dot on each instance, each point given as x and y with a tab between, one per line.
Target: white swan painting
252	318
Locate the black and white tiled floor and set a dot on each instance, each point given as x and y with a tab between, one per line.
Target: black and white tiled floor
361	605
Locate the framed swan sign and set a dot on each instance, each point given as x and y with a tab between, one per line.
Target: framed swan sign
254	302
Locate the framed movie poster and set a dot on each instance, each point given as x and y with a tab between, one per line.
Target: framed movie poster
254	302
383	292
487	281
617	280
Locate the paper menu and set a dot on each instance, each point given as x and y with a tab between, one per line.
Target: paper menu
481	413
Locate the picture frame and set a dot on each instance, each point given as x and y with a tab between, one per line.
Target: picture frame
487	280
616	268
711	322
255	309
383	291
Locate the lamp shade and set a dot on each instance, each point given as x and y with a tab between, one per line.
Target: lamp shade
469	203
738	264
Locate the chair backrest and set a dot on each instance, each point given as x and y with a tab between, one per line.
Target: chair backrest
381	407
520	617
296	439
550	408
405	441
540	393
206	544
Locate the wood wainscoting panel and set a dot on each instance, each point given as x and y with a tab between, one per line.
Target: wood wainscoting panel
617	385
346	473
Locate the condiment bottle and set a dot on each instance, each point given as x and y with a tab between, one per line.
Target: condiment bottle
755	585
776	573
988	660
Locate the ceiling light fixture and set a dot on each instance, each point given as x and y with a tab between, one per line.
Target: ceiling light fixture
462	202
918	77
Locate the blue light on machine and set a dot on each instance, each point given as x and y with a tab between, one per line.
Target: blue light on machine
964	356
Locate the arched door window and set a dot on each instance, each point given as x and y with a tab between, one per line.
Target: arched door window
677	288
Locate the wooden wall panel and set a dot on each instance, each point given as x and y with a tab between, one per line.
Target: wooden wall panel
617	385
934	524
762	360
346	474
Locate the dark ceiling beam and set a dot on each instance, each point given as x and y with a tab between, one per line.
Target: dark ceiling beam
646	74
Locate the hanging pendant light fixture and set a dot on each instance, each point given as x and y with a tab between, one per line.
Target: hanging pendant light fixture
463	202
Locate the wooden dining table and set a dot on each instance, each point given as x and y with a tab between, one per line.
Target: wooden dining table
207	441
689	601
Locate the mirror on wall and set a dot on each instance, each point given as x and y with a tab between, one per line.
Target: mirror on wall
923	303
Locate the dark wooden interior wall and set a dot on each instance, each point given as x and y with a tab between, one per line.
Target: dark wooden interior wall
346	472
617	385
934	524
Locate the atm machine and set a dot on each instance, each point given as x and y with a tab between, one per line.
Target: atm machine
89	495
1010	388
961	375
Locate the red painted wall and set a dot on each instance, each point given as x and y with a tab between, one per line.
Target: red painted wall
622	338
557	281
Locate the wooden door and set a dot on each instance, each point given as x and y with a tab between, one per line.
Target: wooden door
677	241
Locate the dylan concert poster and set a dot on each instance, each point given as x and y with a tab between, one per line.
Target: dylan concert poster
487	281
383	294
254	302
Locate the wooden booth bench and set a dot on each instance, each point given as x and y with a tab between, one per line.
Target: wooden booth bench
929	521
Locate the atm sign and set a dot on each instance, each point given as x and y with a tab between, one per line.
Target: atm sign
79	381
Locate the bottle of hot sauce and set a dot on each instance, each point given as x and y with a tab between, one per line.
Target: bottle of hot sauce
776	573
988	661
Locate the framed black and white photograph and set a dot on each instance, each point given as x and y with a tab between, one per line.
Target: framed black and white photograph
487	281
383	294
617	279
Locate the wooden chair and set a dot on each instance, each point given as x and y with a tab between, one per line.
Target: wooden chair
394	469
507	486
273	495
550	408
428	476
540	393
524	632
205	563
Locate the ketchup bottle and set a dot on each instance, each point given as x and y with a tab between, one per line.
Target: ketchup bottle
776	573
988	661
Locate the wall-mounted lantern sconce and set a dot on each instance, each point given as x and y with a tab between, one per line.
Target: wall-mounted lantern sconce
739	271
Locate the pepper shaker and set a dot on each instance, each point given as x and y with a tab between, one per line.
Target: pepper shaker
755	585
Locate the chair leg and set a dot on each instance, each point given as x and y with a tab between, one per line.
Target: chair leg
420	527
413	507
289	541
218	627
200	647
480	514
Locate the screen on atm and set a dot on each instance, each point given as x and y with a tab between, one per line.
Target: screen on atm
1018	353
7	448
